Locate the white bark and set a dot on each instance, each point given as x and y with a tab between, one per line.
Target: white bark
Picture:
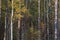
56	12
12	22
39	28
18	29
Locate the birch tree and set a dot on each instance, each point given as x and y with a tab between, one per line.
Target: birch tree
56	24
39	28
19	21
12	22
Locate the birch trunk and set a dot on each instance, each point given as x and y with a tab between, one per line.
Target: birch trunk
12	22
18	29
39	28
56	25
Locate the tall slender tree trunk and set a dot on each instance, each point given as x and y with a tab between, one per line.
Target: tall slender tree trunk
1	27
12	22
6	19
45	20
22	32
18	32
39	28
56	24
48	11
22	25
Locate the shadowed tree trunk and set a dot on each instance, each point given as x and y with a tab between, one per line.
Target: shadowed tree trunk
1	31
48	12
1	25
6	19
45	28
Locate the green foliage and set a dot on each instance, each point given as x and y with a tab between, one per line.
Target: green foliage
28	12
